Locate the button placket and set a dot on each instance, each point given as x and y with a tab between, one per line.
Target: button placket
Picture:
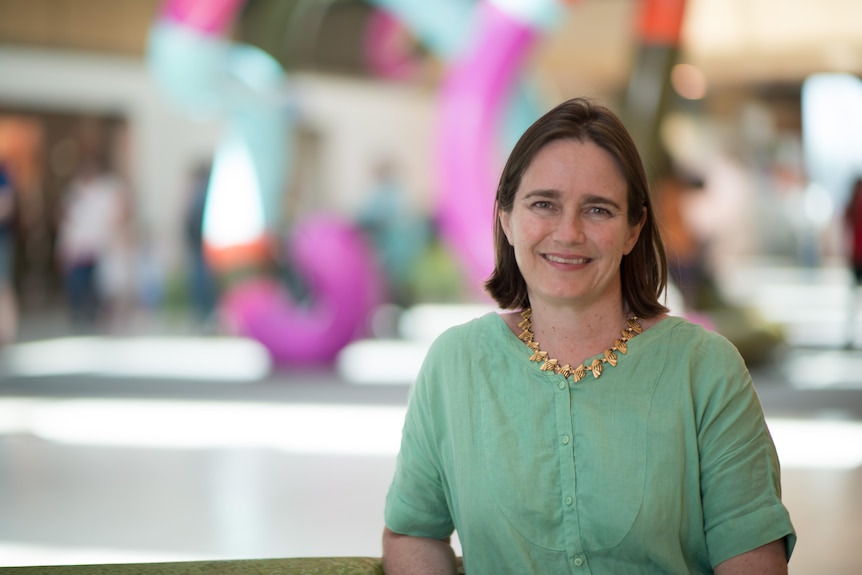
565	446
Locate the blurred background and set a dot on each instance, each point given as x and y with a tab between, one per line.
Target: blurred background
230	229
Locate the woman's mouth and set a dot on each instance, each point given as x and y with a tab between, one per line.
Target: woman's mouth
569	261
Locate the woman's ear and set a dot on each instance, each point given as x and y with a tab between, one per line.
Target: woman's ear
505	223
634	233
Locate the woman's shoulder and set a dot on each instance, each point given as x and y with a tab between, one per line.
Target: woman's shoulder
468	332
709	358
694	329
453	352
688	337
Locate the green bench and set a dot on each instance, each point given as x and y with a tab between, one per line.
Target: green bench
292	566
302	566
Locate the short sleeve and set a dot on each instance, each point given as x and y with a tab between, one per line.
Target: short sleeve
740	475
416	503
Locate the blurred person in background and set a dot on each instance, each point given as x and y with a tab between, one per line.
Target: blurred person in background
584	426
686	250
92	212
118	270
853	224
8	305
202	279
397	235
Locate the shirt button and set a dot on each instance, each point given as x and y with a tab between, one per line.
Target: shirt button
562	385
569	500
578	562
565	440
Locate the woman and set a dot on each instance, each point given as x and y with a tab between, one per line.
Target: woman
587	430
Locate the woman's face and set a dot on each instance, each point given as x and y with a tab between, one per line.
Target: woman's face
569	226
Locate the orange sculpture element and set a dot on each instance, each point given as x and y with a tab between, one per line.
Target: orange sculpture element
661	22
245	255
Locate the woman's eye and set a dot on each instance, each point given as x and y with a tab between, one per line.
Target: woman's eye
542	205
598	211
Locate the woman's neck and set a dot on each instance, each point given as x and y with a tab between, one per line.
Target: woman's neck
572	334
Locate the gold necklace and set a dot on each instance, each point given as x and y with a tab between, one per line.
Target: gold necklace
610	356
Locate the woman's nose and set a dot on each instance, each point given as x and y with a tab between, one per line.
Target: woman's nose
570	229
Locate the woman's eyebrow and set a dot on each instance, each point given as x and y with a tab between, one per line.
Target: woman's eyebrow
542	193
596	199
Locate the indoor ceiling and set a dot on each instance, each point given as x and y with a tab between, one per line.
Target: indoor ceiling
732	41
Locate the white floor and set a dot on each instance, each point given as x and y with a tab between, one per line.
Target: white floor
128	479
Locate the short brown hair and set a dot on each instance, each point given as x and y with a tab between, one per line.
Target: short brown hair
644	270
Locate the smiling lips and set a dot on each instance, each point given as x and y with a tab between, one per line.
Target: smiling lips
562	260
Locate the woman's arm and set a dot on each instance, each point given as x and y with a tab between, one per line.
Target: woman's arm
407	555
770	559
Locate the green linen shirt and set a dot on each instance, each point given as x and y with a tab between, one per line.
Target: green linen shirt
662	465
